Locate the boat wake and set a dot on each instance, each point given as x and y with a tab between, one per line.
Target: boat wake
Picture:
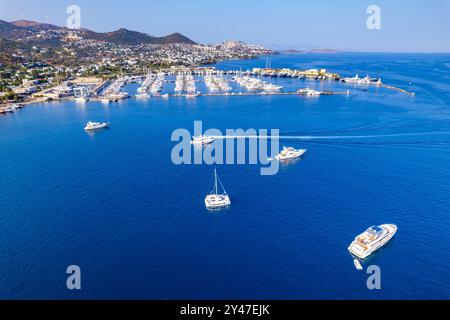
332	137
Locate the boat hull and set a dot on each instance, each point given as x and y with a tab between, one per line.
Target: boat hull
217	202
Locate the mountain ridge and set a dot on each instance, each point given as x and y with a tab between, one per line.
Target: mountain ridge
24	29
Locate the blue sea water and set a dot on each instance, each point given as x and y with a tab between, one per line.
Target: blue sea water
114	203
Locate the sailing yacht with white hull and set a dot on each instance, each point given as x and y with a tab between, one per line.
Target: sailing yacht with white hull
216	200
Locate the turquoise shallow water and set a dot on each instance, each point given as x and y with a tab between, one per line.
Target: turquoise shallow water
115	204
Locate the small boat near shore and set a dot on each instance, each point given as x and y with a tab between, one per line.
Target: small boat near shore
96	125
372	239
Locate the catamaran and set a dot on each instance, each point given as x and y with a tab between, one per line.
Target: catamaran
214	200
96	125
372	239
290	153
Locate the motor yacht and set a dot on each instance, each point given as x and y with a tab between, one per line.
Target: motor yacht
290	153
96	125
371	240
309	92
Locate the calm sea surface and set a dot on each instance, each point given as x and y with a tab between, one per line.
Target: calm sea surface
114	203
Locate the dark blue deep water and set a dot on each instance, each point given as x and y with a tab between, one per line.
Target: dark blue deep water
114	204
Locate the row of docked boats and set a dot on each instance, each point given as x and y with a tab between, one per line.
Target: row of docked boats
151	85
114	92
185	83
363	81
255	84
217	83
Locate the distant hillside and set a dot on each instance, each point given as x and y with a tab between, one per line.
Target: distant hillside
35	26
8	48
12	32
31	31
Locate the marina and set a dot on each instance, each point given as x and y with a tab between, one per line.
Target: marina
215	83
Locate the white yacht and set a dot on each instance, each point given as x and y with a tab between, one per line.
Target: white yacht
290	153
96	125
214	200
372	239
309	92
202	140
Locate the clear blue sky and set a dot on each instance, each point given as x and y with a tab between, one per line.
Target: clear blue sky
415	25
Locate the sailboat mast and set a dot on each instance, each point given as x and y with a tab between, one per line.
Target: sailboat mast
215	181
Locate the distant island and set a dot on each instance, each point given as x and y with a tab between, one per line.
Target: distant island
310	51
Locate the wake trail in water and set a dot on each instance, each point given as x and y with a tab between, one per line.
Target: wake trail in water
310	137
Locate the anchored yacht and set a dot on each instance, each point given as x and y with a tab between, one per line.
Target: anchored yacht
290	153
214	200
372	239
96	125
202	140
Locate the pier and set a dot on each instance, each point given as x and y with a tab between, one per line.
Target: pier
243	94
398	89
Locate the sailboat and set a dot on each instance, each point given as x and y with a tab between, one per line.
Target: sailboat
214	200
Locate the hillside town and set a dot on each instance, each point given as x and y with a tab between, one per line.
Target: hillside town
35	57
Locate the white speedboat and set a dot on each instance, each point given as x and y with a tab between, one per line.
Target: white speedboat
96	125
216	200
290	153
371	240
357	264
202	140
